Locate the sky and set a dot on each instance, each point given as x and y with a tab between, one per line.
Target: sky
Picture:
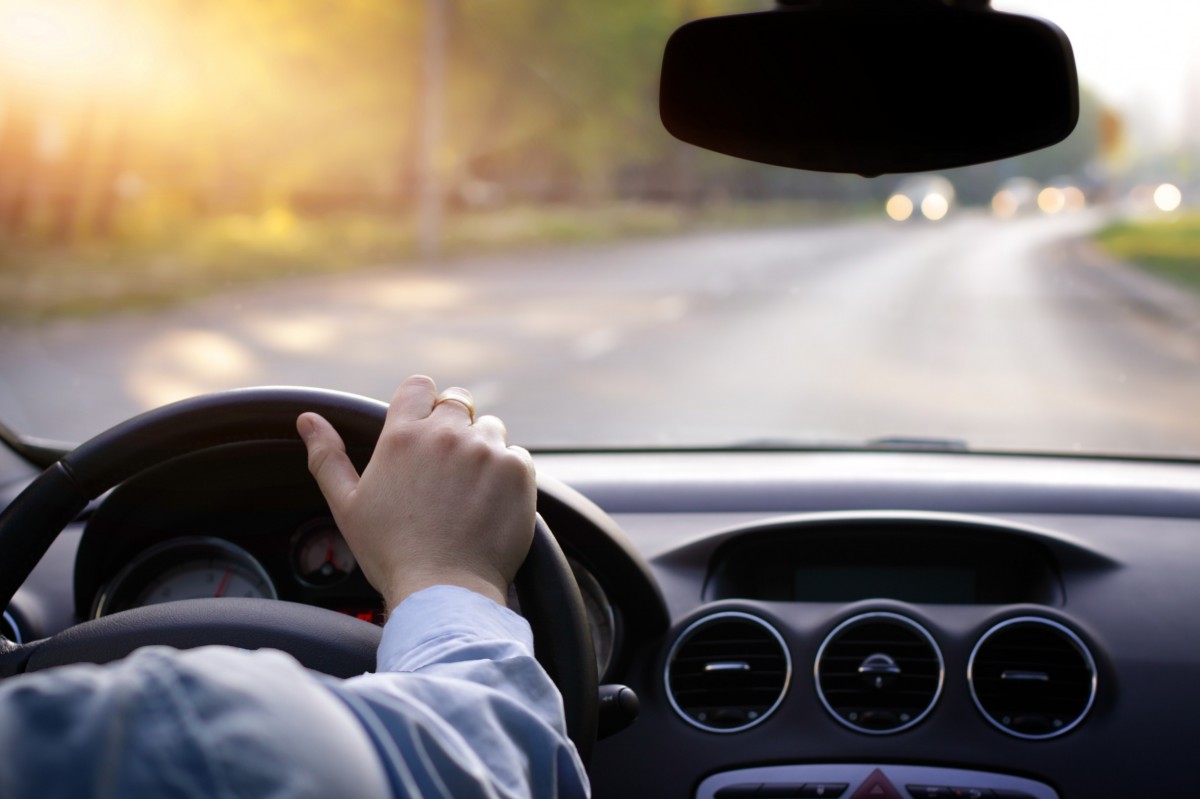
1140	56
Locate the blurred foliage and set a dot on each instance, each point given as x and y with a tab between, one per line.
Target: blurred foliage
1169	247
190	109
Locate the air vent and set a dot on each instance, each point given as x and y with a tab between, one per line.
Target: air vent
1032	677
879	673
727	672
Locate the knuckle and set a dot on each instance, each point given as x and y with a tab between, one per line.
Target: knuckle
516	468
325	463
493	423
444	439
521	457
398	436
317	455
478	452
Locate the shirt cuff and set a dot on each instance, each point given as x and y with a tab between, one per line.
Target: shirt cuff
445	622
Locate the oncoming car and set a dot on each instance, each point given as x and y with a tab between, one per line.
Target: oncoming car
1016	196
854	508
927	196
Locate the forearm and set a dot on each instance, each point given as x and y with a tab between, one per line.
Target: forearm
210	723
463	666
466	712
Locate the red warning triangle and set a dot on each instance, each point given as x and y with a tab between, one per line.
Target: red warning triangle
876	787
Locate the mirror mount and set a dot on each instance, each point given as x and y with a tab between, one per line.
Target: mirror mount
870	86
884	5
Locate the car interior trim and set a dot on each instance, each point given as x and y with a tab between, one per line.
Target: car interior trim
11	626
849	779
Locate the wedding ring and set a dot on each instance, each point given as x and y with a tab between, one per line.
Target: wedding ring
459	395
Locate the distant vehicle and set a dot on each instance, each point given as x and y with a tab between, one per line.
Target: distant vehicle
1015	196
931	196
1154	198
1061	194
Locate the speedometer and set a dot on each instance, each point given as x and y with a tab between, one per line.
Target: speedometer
185	568
208	577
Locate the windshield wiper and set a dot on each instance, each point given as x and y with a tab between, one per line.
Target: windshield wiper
932	443
899	443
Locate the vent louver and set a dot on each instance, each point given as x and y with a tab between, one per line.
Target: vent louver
879	673
1032	677
727	672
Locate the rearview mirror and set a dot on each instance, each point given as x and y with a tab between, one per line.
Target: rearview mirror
870	88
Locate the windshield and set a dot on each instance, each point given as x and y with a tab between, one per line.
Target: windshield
199	196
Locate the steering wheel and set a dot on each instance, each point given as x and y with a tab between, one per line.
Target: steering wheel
323	640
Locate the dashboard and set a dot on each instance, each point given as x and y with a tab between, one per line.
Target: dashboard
849	624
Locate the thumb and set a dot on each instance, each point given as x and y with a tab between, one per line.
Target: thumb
327	460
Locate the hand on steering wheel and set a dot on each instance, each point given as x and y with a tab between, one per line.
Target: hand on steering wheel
444	500
318	638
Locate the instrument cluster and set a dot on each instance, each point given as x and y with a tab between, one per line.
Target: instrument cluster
317	562
316	566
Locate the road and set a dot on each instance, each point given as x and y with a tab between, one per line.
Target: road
1008	335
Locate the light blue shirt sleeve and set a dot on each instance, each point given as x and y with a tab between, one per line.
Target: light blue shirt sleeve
458	709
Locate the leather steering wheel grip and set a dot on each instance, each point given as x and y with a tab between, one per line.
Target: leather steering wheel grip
545	585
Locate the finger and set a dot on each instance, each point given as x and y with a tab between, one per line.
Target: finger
454	403
492	429
327	460
413	400
525	457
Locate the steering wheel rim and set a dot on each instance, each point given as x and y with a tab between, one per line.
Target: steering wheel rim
545	585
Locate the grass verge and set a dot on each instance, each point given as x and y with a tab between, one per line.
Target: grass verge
1168	247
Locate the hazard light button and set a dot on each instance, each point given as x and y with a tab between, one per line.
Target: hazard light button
876	786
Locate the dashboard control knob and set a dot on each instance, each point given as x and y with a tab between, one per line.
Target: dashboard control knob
619	707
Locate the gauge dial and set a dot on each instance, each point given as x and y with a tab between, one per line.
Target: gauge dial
185	568
199	579
320	555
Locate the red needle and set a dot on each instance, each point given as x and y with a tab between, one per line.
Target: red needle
329	552
224	582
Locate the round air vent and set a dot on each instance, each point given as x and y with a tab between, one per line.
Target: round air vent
1032	677
879	673
727	672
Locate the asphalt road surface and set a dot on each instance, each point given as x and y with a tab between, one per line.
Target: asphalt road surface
1006	335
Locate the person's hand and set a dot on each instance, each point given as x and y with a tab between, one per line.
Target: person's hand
444	500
